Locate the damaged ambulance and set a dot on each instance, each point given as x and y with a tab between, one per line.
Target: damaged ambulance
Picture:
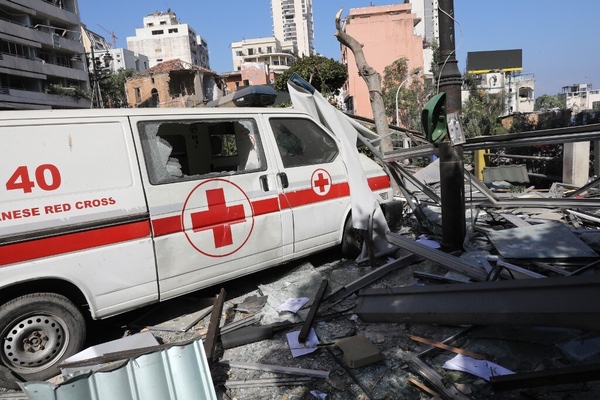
105	211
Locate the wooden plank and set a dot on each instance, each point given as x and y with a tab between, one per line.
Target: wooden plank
430	374
422	387
448	348
210	344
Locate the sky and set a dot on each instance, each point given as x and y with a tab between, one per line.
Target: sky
558	38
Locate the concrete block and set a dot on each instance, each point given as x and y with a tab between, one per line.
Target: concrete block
359	351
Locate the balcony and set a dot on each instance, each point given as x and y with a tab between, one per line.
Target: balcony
24	99
50	11
34	37
27	67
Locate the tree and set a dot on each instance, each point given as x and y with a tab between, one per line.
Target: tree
112	88
373	81
546	102
403	85
481	111
521	123
324	74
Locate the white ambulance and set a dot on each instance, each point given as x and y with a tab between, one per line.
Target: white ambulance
104	211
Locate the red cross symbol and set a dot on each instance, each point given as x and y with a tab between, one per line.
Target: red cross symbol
321	182
219	217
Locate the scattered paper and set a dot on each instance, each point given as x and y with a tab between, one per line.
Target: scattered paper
481	368
293	304
299	349
318	395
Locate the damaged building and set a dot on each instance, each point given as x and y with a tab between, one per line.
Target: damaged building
173	83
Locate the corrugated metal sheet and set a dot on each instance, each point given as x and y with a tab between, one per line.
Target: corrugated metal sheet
508	173
179	372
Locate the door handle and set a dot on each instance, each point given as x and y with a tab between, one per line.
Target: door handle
283	179
264	183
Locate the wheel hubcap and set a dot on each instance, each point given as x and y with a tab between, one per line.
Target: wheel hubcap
33	343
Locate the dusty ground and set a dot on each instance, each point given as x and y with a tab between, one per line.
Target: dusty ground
520	349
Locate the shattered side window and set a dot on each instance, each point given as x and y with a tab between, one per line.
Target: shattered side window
302	142
187	150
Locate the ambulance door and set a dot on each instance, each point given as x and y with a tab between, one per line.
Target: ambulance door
313	181
212	198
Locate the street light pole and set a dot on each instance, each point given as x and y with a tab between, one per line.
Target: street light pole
96	95
397	92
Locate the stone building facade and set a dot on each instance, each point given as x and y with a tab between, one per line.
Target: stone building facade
173	83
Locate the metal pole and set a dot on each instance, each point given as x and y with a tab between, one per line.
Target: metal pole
451	164
96	84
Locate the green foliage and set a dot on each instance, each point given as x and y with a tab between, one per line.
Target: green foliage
435	66
112	87
324	74
411	94
546	102
586	117
481	112
521	123
68	91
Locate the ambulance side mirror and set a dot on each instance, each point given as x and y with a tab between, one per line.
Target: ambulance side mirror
433	119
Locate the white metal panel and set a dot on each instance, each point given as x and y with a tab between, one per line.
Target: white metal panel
179	372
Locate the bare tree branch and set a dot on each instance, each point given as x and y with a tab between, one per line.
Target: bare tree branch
373	80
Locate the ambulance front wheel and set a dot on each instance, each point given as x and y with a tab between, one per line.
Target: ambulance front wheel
352	240
37	332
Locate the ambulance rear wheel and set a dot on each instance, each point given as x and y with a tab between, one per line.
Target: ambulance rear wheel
37	332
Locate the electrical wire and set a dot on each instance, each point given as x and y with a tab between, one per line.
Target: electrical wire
454	50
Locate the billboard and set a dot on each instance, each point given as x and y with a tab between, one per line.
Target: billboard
481	62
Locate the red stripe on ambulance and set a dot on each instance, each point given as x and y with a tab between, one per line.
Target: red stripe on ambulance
308	196
46	247
379	182
168	225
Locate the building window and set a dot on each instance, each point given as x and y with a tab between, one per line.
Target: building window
138	95
173	30
158	32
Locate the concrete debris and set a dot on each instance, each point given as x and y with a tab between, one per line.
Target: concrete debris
359	351
522	295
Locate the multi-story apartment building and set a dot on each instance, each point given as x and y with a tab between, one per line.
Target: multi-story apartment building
269	51
164	37
293	21
42	59
579	97
368	25
499	72
258	62
428	28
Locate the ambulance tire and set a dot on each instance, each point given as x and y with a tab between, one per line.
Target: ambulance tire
38	331
352	240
